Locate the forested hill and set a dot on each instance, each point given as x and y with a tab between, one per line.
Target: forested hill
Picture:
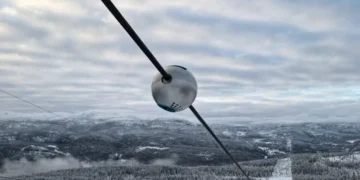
298	167
85	142
147	140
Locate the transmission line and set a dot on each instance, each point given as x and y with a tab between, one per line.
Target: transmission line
30	103
115	12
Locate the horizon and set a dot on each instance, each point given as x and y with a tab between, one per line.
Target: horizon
106	117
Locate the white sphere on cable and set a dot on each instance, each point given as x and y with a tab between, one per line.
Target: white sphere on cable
176	94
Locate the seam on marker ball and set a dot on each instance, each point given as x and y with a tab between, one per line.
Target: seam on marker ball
179	67
167	108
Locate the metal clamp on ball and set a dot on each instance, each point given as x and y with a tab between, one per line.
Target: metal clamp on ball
166	80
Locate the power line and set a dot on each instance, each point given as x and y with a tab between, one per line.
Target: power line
115	12
356	144
32	104
217	139
351	149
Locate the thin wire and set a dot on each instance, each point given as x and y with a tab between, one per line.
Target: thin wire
115	12
32	104
357	143
217	139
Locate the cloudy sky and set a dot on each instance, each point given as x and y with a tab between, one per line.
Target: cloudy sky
253	60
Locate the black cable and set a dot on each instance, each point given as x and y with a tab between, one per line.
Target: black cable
357	143
30	103
115	12
217	139
351	149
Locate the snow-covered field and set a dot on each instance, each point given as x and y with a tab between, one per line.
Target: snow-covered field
282	170
350	158
271	152
142	148
352	141
289	144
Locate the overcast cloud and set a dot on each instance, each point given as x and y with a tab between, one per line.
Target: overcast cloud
253	60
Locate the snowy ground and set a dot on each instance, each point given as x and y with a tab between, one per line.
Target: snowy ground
271	152
349	158
141	148
352	141
289	144
282	170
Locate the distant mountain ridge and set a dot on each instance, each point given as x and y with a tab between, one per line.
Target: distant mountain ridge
89	139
